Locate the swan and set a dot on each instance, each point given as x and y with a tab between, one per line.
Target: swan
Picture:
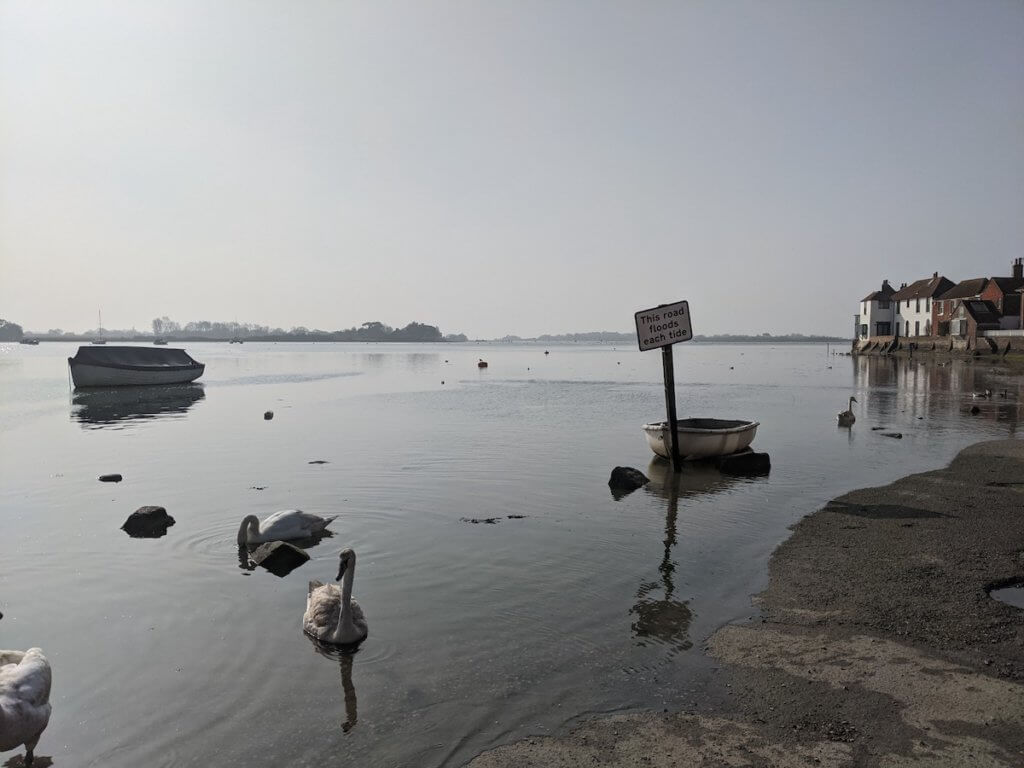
986	394
332	616
281	526
24	699
846	418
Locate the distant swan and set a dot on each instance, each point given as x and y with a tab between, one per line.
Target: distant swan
281	526
24	699
986	394
846	418
332	616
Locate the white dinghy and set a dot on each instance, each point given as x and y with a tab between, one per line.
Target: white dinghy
132	366
702	438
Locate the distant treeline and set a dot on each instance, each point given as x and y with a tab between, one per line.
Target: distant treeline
204	330
600	336
767	337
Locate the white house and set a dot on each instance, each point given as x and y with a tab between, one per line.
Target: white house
913	305
876	313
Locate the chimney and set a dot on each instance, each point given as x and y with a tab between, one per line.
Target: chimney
934	275
886	286
1018	269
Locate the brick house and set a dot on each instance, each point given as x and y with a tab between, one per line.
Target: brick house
1003	293
913	305
971	317
946	305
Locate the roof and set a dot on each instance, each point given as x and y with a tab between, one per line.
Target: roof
983	312
886	292
1008	284
929	287
965	289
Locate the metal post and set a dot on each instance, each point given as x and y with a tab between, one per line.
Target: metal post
670	404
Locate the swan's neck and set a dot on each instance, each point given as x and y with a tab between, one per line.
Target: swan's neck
345	619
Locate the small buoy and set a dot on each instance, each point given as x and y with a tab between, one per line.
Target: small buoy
730	368
481	364
442	381
546	352
268	415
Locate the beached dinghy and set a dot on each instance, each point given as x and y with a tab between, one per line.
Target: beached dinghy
132	366
702	438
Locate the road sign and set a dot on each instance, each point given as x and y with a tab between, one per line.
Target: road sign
663	325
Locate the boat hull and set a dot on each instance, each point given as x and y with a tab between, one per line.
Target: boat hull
85	375
702	438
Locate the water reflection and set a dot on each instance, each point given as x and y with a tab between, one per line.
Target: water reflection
116	407
344	655
899	389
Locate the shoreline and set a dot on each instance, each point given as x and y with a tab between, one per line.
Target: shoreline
877	643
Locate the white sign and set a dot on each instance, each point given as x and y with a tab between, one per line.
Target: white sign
663	325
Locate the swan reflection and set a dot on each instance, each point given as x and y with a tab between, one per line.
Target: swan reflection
344	657
116	407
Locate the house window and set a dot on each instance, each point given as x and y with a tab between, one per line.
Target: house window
917	327
908	303
917	305
883	329
906	328
864	331
883	304
927	305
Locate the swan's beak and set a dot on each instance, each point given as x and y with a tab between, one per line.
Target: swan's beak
854	399
341	571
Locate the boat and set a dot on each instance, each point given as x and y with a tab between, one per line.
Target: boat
98	341
235	340
160	342
702	438
132	366
32	342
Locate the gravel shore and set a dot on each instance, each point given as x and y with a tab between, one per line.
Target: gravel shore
877	642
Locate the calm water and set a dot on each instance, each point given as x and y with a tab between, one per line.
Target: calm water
167	652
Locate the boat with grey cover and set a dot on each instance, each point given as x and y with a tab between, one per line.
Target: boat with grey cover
132	366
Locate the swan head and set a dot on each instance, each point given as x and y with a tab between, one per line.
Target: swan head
346	558
853	399
244	527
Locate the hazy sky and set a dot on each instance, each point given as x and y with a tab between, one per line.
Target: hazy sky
502	167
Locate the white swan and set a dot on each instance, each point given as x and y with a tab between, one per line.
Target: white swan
24	699
331	614
846	418
984	394
281	526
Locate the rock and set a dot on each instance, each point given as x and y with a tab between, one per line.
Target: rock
114	478
319	461
478	520
279	557
897	435
748	463
626	480
878	429
268	415
148	523
975	410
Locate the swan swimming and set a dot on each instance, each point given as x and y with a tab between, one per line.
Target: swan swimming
24	699
281	526
846	418
332	616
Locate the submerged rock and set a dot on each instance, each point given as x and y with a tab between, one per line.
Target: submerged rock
897	435
975	410
745	463
112	478
626	480
279	557
319	461
148	523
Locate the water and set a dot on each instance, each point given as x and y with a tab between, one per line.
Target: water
169	652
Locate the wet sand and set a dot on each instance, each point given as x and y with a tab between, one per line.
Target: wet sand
877	643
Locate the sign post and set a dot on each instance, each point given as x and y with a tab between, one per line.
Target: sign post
663	326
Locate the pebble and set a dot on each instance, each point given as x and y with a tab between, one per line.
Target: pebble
114	478
268	415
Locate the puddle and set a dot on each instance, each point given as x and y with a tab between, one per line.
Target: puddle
1010	595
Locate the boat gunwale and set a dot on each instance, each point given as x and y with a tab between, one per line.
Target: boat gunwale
662	426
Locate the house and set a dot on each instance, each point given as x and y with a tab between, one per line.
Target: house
946	305
876	313
914	305
1003	293
972	316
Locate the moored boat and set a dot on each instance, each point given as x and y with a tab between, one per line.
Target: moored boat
160	342
132	366
31	342
702	438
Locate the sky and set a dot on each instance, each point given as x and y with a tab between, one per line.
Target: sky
497	168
